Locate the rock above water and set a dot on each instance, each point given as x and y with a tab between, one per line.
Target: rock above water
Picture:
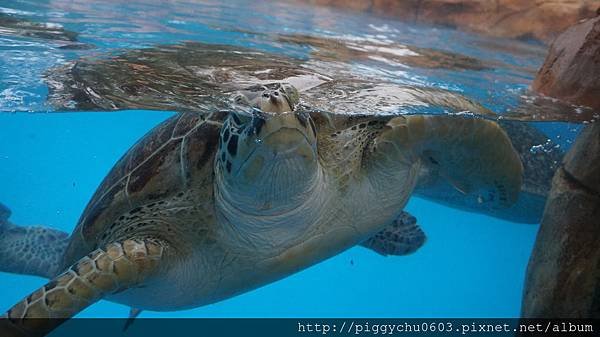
563	276
571	71
542	20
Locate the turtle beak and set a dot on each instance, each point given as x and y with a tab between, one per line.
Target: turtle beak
284	131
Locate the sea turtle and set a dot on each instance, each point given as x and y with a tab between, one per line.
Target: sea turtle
185	76
207	206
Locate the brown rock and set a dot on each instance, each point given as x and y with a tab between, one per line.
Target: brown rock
542	20
405	10
584	165
356	5
563	276
571	71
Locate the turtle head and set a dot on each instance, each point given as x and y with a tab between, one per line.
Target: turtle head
277	99
267	160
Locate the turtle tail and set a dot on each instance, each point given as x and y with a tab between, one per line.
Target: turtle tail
32	250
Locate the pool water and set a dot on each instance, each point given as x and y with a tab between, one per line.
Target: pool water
51	161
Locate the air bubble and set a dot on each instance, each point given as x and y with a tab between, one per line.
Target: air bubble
537	149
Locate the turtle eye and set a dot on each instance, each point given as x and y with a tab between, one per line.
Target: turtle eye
239	99
276	93
265	94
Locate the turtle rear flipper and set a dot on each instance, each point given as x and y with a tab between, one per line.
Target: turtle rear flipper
401	237
474	155
101	273
32	250
133	314
4	215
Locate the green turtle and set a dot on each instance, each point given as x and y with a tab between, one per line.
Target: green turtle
183	77
209	205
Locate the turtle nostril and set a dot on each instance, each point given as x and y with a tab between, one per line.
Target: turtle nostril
266	95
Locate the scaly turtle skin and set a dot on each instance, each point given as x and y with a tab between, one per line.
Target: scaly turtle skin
207	206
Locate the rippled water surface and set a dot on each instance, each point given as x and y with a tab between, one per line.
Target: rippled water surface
83	58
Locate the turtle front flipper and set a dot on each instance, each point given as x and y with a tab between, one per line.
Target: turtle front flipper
474	155
101	273
401	237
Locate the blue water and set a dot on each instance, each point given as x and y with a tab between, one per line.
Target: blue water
51	163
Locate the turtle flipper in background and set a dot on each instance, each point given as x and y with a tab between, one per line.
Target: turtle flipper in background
4	215
32	250
402	236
